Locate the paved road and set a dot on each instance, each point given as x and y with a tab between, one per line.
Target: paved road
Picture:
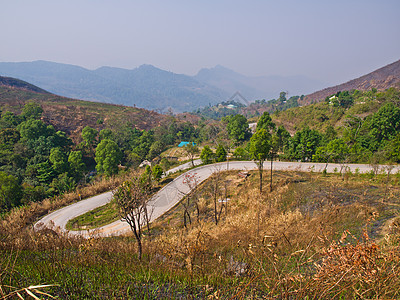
172	193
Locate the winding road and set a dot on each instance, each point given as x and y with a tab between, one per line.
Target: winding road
172	193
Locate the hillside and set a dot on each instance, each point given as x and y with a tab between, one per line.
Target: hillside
321	115
71	115
381	79
16	83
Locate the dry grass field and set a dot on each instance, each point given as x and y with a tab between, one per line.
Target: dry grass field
312	237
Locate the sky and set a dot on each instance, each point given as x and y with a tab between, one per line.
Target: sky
331	41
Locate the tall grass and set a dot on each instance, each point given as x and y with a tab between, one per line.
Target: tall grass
312	237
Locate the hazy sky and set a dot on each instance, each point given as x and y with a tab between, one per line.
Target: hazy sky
332	41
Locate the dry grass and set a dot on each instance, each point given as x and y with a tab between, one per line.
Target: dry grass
312	237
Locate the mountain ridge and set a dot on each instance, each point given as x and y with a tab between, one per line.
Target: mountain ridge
381	79
148	86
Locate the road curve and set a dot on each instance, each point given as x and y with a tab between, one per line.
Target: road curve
172	193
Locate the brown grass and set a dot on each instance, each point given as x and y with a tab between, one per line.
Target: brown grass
316	237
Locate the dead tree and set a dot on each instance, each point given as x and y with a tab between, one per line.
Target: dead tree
216	192
389	169
191	180
132	198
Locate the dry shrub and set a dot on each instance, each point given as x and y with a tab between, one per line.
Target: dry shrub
183	249
361	269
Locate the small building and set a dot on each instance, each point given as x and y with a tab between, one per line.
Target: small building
183	144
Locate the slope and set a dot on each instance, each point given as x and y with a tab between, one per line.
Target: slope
381	79
71	115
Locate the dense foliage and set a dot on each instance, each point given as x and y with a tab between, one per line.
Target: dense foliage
36	161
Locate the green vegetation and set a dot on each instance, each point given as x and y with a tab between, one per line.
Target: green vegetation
96	218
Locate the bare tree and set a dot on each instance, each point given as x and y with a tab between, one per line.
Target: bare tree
191	180
216	192
132	198
389	169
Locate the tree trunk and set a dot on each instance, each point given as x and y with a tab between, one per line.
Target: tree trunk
215	212
260	171
139	241
270	185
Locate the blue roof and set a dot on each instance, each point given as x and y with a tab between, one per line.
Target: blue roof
185	143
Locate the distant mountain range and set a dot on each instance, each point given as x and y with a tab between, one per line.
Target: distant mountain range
381	79
152	88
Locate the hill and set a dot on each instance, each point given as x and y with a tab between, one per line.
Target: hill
146	86
71	115
381	79
13	82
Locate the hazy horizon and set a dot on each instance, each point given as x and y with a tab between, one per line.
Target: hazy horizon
332	42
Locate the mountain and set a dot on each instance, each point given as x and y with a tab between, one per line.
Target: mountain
261	87
153	88
146	86
381	79
71	115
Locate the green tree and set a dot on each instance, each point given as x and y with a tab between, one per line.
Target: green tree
283	137
10	192
58	159
108	156
330	133
241	153
76	164
385	123
32	110
157	172
206	155
155	150
335	151
259	147
238	128
106	134
89	135
8	138
9	120
220	153
45	172
63	183
303	145
191	150
33	129
393	149
266	123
